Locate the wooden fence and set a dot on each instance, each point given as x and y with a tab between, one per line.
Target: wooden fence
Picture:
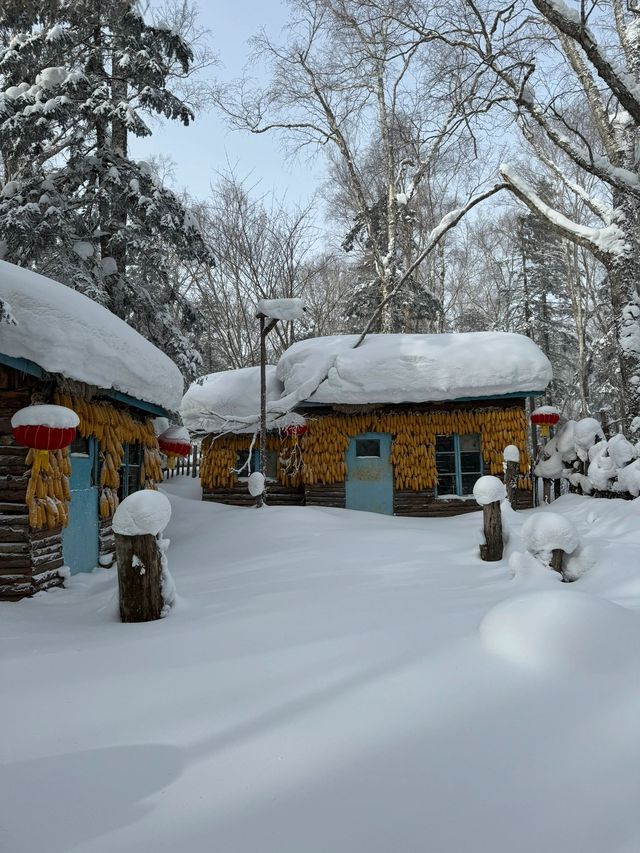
186	465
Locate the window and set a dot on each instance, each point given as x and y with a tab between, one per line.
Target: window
130	470
458	463
272	463
368	447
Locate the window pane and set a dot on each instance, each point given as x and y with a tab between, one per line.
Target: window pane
468	482
444	444
470	442
367	447
470	462
271	466
241	462
446	485
445	463
80	445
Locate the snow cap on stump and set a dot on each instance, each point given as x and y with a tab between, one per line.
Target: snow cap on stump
548	531
488	490
141	514
511	453
256	484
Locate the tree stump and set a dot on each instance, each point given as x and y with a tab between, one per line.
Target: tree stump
511	475
139	578
557	556
493	545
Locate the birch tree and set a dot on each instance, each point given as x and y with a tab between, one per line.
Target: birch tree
593	48
346	75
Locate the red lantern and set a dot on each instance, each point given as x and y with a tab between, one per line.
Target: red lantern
174	448
295	429
44	427
173	442
545	417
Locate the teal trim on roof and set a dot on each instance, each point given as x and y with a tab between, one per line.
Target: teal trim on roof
22	364
515	395
33	369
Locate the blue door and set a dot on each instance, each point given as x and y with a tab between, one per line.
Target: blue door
80	538
369	483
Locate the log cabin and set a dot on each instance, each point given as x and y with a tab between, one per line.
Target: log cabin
57	346
402	424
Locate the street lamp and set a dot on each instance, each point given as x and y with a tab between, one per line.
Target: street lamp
269	312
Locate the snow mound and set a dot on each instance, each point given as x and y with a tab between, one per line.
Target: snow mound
142	513
560	629
65	332
489	489
545	531
414	368
60	417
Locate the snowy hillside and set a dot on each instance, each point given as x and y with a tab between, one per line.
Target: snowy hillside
332	682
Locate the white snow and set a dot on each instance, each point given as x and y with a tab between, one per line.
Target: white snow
488	490
65	332
586	432
255	484
331	681
59	417
176	433
511	453
82	248
546	531
142	513
546	410
230	401
282	309
414	368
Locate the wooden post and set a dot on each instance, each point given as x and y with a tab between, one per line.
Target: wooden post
139	578
546	486
511	481
493	545
263	403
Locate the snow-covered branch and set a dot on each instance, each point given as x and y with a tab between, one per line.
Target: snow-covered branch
608	243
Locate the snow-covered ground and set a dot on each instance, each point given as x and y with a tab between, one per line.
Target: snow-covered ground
331	682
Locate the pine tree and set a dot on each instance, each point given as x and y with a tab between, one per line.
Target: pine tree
79	78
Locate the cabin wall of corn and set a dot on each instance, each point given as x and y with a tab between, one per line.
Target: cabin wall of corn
413	456
113	428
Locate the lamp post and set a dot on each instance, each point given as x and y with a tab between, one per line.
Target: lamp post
270	311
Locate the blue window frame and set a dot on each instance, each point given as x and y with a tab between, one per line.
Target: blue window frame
272	463
130	470
458	463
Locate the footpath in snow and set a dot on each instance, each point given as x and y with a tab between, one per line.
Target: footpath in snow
331	682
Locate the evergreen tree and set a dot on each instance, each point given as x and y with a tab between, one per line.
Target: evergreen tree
79	78
545	305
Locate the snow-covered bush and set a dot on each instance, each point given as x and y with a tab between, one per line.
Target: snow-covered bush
580	453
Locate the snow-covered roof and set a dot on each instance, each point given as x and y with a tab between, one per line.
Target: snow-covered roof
65	332
384	369
229	401
414	368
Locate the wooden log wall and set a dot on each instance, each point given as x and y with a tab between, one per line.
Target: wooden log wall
29	559
277	495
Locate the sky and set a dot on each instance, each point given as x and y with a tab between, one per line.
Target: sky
208	146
